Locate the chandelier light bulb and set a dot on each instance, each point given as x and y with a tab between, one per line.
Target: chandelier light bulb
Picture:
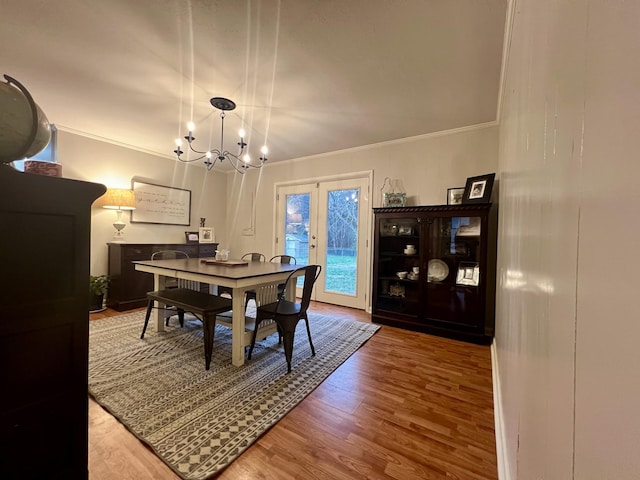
246	158
264	149
178	142
242	133
191	126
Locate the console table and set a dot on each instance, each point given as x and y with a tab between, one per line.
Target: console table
128	288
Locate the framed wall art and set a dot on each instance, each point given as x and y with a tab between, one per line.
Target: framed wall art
160	204
478	189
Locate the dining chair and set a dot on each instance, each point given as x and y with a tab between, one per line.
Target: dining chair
248	257
286	314
284	259
175	282
288	259
254	257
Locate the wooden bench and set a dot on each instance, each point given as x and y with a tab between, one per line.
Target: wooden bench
202	305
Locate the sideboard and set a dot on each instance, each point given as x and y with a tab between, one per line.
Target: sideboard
128	288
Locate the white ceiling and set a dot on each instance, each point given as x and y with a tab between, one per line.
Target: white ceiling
310	76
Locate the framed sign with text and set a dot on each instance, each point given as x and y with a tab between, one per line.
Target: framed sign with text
161	204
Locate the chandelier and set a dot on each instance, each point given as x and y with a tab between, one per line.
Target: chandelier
240	162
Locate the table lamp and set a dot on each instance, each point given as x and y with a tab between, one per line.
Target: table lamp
119	199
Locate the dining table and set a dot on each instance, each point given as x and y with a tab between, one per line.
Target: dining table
237	275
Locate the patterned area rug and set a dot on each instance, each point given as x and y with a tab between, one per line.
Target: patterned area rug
199	421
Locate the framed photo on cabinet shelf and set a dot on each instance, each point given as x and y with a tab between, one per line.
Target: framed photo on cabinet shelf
454	195
478	189
405	230
468	274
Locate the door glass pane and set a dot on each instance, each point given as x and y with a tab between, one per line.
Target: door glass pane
296	228
342	241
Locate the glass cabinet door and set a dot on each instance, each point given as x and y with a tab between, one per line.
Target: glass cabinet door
398	266
454	270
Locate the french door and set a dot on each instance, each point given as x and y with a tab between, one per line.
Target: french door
327	223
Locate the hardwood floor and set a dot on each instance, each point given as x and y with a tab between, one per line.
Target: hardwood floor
405	406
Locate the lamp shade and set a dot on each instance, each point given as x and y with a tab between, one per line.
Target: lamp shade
118	199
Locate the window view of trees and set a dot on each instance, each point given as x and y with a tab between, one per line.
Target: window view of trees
342	236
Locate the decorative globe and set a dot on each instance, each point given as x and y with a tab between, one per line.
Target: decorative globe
24	128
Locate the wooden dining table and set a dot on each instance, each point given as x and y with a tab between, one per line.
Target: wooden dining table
238	276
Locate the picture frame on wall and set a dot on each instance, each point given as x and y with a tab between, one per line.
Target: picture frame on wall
478	189
160	204
206	235
454	195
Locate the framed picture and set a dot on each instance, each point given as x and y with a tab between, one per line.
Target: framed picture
478	189
191	237
160	204
405	230
395	199
468	274
206	235
454	195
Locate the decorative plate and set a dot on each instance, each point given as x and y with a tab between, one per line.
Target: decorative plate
437	271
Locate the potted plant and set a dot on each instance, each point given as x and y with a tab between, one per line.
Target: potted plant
98	285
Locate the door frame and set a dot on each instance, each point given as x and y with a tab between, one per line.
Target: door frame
366	218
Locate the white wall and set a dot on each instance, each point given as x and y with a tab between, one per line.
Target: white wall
566	355
92	160
425	166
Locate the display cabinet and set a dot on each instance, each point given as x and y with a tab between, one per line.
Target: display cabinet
434	270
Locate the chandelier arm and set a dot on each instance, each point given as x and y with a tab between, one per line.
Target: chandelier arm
235	161
209	164
198	151
184	160
215	155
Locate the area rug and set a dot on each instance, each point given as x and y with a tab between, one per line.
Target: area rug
199	421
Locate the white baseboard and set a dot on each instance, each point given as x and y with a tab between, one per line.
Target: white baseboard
501	451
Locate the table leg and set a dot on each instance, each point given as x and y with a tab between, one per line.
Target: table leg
238	326
290	291
159	282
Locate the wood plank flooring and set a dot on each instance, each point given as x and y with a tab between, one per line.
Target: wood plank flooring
405	406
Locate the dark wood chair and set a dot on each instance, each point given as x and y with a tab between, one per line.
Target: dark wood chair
203	305
287	314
